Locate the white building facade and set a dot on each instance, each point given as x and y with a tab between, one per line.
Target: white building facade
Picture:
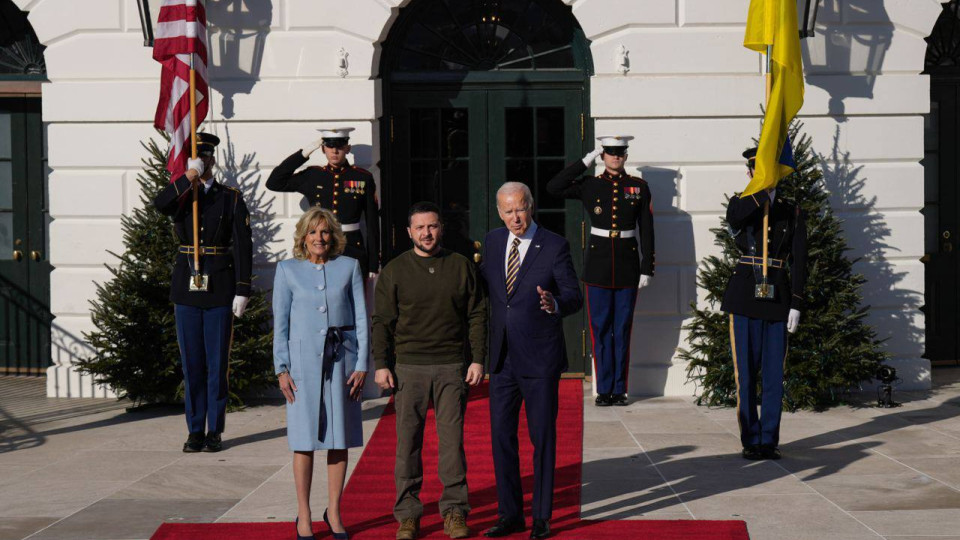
672	73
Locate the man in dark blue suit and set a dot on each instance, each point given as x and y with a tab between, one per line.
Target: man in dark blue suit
531	285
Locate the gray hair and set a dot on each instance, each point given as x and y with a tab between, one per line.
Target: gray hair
513	187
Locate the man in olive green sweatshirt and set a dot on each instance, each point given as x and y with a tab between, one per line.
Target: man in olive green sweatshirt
429	342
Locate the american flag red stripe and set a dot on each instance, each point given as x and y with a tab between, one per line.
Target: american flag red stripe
181	31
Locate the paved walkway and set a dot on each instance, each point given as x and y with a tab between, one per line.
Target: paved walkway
847	474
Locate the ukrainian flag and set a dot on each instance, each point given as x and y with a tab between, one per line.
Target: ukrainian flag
774	23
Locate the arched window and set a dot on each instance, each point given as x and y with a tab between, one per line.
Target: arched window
484	35
21	53
943	45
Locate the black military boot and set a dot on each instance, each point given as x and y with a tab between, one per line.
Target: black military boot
194	443
213	442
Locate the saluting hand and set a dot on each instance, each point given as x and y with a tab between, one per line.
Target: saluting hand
546	300
310	148
287	386
355	382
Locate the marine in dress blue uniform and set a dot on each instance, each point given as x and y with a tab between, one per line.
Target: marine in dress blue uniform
620	207
760	319
349	191
204	318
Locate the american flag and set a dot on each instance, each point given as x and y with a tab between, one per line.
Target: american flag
181	31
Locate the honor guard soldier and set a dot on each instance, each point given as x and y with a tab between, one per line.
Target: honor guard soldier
764	304
617	265
204	308
349	191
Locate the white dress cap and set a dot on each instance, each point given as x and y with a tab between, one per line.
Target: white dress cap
335	133
615	140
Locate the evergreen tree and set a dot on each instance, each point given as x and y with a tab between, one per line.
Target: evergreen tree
136	338
833	350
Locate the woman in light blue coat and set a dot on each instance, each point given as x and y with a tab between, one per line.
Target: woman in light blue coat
320	349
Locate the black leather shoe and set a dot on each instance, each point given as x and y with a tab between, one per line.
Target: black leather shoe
604	400
751	452
506	527
213	443
194	443
620	400
541	529
769	451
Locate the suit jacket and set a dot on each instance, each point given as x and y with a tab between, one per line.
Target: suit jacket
349	192
533	338
615	203
787	239
224	223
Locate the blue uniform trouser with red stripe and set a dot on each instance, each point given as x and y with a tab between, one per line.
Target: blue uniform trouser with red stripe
204	336
759	353
611	321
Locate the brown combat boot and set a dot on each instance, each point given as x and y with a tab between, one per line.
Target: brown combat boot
408	529
455	524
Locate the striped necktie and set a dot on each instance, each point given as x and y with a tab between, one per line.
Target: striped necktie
513	265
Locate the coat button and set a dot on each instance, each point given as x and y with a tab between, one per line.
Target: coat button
322	309
323	332
321	287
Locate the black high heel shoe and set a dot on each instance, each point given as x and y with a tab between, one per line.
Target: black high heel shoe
336	535
296	524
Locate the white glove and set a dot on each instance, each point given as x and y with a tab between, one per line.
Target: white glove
590	158
311	147
195	164
793	320
644	281
240	305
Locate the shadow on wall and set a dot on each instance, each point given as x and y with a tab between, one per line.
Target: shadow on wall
895	308
662	307
238	31
243	173
854	50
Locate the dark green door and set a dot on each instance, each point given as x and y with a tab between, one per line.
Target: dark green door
942	258
24	268
456	149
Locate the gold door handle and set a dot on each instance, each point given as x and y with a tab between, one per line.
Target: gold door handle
35	255
17	255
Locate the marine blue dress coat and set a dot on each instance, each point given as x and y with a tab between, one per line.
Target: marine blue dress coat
309	299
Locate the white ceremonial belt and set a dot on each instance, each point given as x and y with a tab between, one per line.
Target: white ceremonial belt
612	234
349	227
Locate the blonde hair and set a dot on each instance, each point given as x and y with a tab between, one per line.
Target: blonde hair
308	222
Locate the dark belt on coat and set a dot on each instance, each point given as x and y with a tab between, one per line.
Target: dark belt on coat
758	261
331	348
206	250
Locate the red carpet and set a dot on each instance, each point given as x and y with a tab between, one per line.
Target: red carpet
369	495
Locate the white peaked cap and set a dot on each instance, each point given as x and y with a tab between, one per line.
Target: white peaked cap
615	140
335	133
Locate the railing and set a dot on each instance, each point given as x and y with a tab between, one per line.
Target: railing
24	331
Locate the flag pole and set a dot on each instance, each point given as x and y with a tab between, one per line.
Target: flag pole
196	185
766	203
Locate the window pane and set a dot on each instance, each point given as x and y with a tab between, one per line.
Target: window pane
455	207
519	131
520	170
547	169
456	142
550	131
5	135
6	185
552	221
424	181
6	235
424	133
